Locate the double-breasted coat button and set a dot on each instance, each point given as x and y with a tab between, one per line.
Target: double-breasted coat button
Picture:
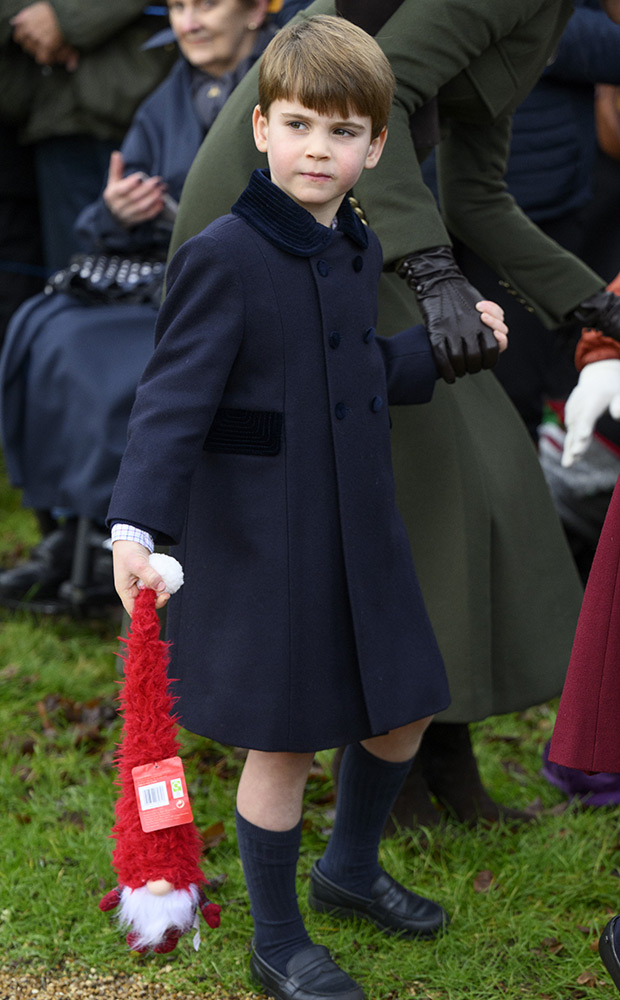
358	263
340	410
376	404
369	335
323	268
334	339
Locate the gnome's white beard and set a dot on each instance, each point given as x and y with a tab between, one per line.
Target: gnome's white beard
151	917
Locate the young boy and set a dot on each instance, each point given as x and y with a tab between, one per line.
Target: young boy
260	448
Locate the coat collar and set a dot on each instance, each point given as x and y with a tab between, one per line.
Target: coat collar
286	224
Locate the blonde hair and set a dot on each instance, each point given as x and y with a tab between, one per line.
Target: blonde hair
329	65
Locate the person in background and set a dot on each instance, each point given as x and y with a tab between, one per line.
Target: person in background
73	75
69	369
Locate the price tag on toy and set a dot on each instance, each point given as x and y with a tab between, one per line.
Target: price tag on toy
161	794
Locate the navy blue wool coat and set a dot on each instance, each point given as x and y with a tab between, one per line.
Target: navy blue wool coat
259	445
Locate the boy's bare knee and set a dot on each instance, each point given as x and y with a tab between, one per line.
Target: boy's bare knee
399	744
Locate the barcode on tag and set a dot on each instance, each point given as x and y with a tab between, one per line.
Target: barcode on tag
153	796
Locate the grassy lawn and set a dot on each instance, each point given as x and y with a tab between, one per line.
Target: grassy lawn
527	905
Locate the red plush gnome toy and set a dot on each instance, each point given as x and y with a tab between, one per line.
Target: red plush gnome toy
157	852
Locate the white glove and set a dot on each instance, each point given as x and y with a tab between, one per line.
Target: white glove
597	390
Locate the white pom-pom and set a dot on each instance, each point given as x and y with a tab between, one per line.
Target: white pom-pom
169	569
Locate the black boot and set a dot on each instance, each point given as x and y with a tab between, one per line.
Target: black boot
41	575
413	807
451	772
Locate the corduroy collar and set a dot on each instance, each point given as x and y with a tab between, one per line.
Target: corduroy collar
286	224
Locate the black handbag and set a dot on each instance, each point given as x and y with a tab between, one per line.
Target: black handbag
100	279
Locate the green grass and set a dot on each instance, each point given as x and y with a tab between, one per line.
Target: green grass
532	933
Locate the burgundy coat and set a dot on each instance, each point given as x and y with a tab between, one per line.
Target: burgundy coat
587	729
260	446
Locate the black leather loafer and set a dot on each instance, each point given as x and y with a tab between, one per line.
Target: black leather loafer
311	974
609	951
391	907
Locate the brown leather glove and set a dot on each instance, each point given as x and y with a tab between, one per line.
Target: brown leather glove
461	343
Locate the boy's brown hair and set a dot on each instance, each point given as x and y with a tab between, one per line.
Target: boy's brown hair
329	65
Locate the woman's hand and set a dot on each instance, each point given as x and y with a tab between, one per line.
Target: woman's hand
135	198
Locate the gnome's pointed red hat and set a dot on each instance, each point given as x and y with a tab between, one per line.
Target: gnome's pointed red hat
160	880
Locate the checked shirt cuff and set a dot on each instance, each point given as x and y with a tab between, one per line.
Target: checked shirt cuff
129	533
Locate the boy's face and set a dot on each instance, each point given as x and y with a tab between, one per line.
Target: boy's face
315	158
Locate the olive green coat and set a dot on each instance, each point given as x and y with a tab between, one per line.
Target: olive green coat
496	574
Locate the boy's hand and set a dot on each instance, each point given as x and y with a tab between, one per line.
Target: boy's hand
493	315
132	570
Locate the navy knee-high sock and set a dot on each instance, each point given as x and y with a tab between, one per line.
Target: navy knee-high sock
367	788
269	859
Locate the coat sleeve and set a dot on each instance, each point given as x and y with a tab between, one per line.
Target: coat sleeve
479	210
410	370
200	327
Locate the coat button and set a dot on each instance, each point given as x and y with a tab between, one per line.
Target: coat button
358	263
334	339
323	268
369	335
340	410
376	404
